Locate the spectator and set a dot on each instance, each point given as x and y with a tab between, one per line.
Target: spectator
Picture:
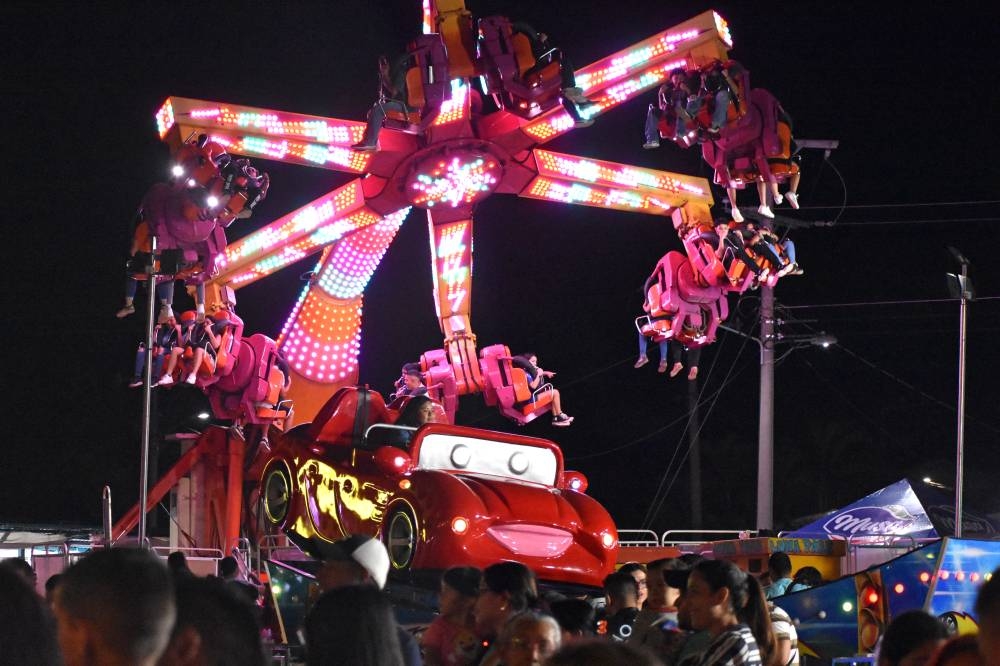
730	605
178	565
27	634
959	651
779	567
911	638
621	594
358	560
805	578
637	571
50	588
601	653
214	626
528	639
507	589
229	571
115	607
659	614
352	625
529	363
988	612
451	640
575	617
21	568
785	636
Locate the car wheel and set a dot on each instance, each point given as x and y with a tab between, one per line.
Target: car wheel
401	539
276	494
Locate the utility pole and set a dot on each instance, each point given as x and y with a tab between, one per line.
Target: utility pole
765	446
694	442
961	287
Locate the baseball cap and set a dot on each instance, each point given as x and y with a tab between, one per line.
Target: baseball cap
677	578
359	548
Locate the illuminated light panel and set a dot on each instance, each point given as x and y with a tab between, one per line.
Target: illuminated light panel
323	339
312	153
722	26
558	121
454	108
626	62
456	181
428	15
354	259
287	125
453	266
601	197
599	172
305	220
165	118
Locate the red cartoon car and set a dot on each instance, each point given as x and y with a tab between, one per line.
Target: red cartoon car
438	496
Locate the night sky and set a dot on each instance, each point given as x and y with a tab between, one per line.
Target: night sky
910	95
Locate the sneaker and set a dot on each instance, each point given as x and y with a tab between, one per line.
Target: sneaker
676	370
191	379
125	311
798	270
662	367
785	270
575	94
135	383
166	312
363	147
561	420
651	145
693	374
583	122
737	216
793	199
165	380
765	210
641	362
778	199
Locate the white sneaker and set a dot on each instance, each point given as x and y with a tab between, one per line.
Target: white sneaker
165	380
651	145
125	311
737	215
191	379
166	312
765	211
778	199
643	360
793	199
135	383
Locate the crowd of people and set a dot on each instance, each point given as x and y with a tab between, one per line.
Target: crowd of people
125	606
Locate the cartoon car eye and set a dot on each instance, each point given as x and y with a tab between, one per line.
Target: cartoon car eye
518	463
460	456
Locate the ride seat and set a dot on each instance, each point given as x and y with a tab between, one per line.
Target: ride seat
507	387
523	57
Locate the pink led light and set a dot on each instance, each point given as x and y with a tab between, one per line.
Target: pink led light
599	172
453	260
455	107
274	123
722	27
590	195
458	181
322	340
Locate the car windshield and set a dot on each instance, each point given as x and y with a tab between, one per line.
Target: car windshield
481	456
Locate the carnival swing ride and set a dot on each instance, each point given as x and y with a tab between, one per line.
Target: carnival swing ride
447	152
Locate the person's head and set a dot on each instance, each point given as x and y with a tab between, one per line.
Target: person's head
808	576
656	586
639	573
507	588
26	629
115	606
678	76
459	591
21	568
959	651
528	639
988	614
188	318
597	652
352	625
620	591
213	626
910	639
677	580
418	411
720	594
531	357
575	617
50	587
177	563
779	565
413	379
356	560
228	567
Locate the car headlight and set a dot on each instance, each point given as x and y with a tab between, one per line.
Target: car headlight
459	525
177	170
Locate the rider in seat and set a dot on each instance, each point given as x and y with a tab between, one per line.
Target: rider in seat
392	97
544	52
529	363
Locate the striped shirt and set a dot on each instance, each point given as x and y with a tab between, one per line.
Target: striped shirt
784	630
735	646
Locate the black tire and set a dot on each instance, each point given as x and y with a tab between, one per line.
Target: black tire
400	537
276	494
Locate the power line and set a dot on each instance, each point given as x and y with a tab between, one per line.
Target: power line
878	223
924	204
918	301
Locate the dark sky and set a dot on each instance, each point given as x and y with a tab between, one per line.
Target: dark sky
910	94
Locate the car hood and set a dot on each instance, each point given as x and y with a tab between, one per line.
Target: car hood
503	498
